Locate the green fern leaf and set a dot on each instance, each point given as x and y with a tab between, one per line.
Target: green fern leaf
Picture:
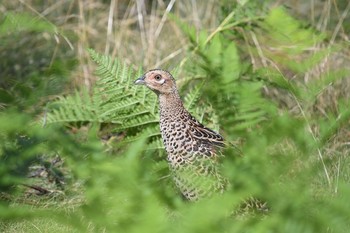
114	99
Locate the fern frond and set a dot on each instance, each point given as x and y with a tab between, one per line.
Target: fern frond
156	145
151	131
77	107
192	97
138	121
250	106
114	99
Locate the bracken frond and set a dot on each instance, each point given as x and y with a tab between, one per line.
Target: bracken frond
114	99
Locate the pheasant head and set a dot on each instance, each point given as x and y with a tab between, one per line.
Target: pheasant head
159	81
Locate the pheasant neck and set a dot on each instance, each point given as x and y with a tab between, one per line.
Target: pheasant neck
170	105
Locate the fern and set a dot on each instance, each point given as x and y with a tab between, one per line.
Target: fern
217	63
77	107
115	100
192	98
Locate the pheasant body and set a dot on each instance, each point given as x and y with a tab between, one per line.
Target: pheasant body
192	148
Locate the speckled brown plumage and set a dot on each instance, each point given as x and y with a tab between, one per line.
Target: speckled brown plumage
192	148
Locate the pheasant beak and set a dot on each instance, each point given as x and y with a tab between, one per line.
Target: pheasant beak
140	81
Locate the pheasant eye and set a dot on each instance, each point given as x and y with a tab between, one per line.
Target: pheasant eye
158	77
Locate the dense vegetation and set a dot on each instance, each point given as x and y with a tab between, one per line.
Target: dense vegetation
80	145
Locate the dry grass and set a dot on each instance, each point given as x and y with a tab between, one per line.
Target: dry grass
36	225
136	32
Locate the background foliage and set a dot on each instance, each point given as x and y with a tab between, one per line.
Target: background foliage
80	146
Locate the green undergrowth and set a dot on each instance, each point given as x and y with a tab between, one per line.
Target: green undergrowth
93	160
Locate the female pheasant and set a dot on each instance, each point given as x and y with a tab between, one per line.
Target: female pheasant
192	148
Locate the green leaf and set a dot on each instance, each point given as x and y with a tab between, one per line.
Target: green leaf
231	66
15	22
114	100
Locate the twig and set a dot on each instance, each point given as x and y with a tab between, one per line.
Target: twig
41	190
338	173
340	23
169	57
141	24
315	139
162	21
109	25
260	52
221	26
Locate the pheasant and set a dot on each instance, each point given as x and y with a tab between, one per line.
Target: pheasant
192	149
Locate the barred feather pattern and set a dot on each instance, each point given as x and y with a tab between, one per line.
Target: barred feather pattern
193	149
